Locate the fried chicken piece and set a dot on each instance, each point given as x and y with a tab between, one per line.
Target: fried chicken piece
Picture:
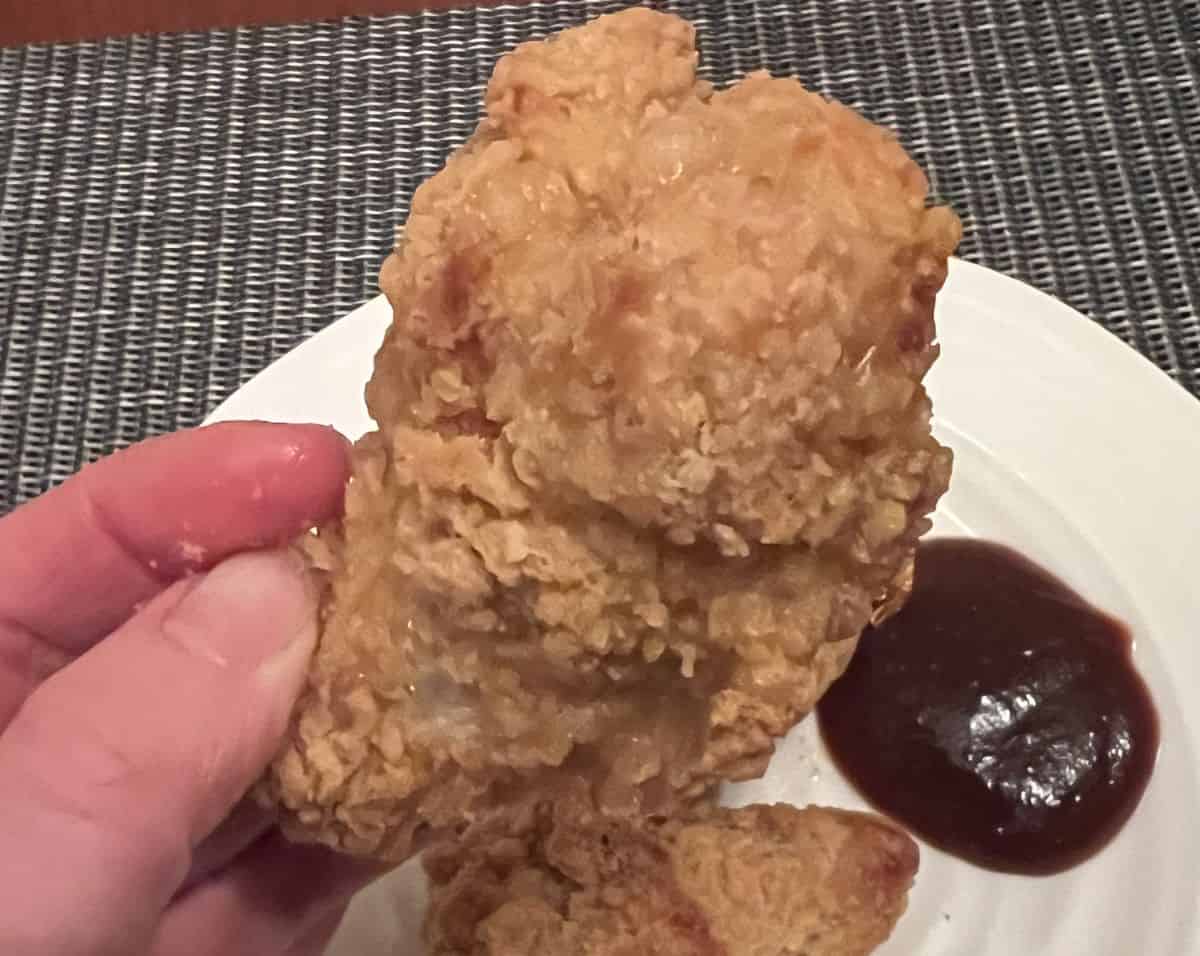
757	881
652	449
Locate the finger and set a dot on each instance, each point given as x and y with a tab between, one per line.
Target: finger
244	826
277	897
25	661
121	763
76	561
316	941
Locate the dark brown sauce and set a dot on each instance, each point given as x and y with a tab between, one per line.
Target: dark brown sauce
998	714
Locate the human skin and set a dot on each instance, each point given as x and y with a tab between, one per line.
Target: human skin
153	639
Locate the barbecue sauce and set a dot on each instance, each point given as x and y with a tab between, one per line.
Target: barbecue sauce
998	715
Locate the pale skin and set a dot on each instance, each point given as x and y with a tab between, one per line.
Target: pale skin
153	638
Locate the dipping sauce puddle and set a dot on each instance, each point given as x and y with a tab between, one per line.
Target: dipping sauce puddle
998	715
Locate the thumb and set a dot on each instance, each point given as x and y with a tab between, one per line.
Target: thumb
116	767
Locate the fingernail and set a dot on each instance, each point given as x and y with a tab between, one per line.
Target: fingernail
255	611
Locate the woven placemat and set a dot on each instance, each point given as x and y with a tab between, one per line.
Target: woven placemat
178	211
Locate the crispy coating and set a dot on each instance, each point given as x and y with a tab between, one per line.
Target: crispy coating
652	448
757	881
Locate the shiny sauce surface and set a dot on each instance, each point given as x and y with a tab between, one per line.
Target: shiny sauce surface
998	715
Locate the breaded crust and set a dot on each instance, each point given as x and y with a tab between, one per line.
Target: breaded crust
652	448
756	881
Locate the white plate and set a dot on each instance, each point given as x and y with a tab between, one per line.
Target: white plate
1070	447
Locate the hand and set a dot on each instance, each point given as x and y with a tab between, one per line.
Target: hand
147	670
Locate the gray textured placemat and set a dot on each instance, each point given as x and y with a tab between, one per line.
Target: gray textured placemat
177	211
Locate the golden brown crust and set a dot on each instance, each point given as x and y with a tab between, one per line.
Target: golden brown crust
652	445
757	881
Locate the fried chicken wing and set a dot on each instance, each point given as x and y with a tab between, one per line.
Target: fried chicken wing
757	881
652	446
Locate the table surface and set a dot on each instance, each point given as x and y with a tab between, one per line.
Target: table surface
179	210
